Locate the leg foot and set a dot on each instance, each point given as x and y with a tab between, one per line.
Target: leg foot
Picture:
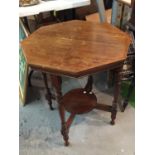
113	117
64	132
56	82
125	103
112	122
66	143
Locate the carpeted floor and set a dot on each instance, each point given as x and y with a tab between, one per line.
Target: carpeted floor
90	134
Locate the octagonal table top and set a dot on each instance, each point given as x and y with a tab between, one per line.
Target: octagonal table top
75	48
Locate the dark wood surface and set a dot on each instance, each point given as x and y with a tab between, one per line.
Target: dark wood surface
75	48
56	83
78	101
49	96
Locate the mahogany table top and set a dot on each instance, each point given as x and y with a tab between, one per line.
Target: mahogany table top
75	48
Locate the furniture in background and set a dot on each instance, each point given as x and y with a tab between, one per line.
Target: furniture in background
62	10
95	16
96	6
121	12
59	50
45	6
118	12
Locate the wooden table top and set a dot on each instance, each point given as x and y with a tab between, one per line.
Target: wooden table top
75	48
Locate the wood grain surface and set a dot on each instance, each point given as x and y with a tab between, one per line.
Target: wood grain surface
75	48
78	102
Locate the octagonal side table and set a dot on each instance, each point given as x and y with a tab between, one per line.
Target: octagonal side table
76	49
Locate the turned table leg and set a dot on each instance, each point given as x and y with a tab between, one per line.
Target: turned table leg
116	95
48	95
56	82
89	85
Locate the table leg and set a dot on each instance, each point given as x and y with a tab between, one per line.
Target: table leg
48	95
56	82
89	85
29	78
70	120
116	94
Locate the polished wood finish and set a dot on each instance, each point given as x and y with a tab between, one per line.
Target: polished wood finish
117	89
75	48
70	120
49	96
78	101
104	107
56	83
